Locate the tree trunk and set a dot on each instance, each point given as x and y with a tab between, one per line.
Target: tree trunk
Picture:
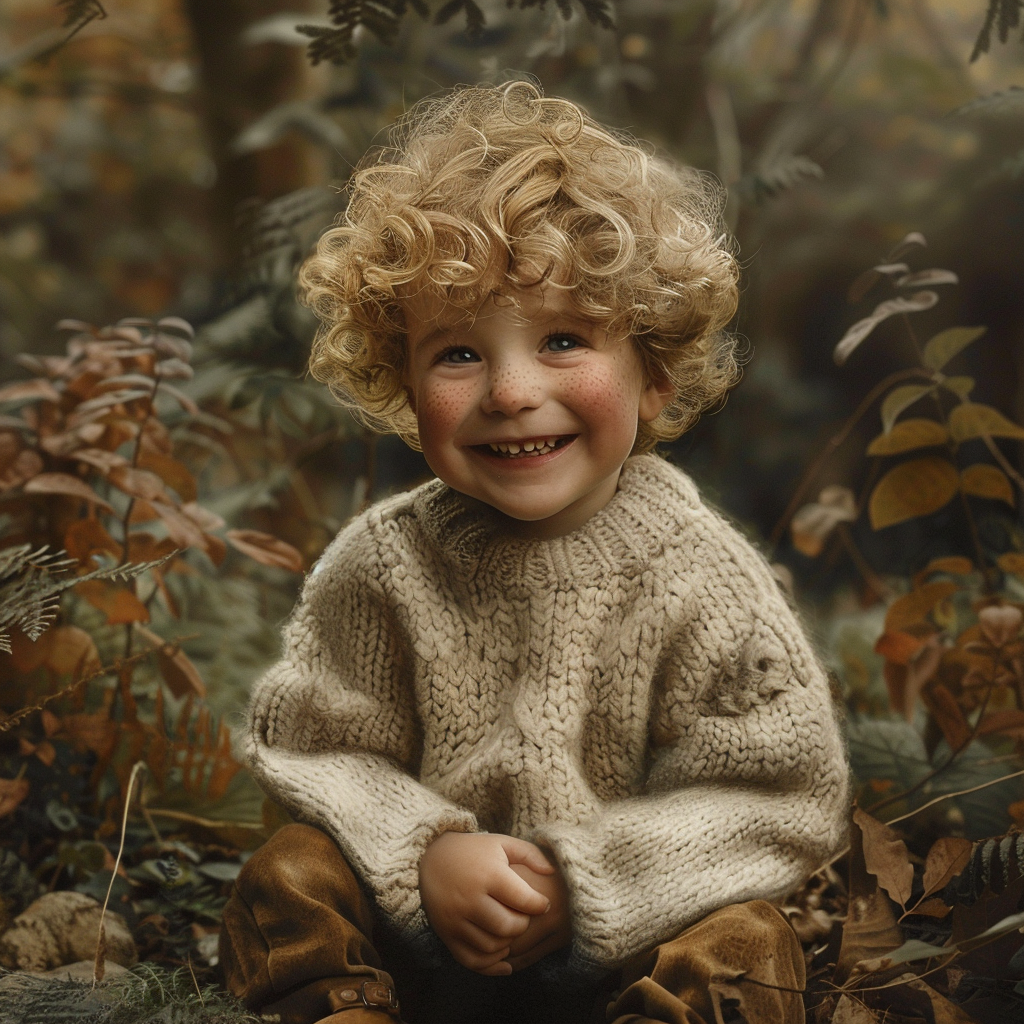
240	82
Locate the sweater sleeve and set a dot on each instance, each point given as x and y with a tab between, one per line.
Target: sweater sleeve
334	736
747	787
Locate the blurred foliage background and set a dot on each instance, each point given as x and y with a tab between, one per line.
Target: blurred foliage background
168	163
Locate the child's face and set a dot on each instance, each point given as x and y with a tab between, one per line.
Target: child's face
532	410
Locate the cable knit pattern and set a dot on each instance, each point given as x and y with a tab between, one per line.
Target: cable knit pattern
636	697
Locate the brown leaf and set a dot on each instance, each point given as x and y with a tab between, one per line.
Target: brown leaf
886	857
118	603
946	859
931	908
72	652
943	1011
948	716
139	483
64	483
24	467
266	549
100	458
144	547
908	435
912	489
27	389
1005	722
202	517
913	608
87	537
173	473
852	1011
12	792
985	481
180	528
180	675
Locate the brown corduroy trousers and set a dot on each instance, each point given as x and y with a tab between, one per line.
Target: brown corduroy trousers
299	930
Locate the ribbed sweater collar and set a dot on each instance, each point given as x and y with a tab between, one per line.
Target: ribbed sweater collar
652	502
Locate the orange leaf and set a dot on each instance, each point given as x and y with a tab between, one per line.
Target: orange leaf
886	857
118	603
955	565
87	537
173	473
64	483
12	792
985	481
910	609
933	907
898	647
266	549
72	652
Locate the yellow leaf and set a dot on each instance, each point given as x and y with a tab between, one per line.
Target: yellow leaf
985	481
1011	562
910	434
915	488
971	419
961	386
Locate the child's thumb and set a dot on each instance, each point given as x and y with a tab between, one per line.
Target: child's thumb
519	851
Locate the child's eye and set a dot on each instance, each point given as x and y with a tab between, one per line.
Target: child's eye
458	356
561	342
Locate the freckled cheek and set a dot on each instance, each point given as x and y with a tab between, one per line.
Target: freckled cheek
441	411
600	395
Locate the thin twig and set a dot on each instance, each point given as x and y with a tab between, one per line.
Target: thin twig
961	792
835	442
97	970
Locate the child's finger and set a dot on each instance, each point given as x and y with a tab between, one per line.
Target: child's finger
518	894
519	851
495	918
484	941
492	964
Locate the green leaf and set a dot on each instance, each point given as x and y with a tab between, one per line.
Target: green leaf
961	386
972	419
899	399
912	489
908	435
947	344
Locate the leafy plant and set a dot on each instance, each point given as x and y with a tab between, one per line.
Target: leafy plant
384	18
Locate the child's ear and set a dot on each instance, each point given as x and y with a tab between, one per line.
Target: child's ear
654	398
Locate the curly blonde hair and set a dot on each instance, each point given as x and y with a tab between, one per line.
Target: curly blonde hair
487	190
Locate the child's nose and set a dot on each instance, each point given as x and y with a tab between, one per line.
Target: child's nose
512	387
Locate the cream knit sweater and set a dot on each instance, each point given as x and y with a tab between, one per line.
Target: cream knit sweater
636	697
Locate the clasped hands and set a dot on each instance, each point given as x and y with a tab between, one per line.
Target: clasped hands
498	903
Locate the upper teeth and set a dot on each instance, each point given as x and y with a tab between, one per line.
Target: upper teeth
541	447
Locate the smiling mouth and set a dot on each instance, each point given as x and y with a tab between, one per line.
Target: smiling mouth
527	449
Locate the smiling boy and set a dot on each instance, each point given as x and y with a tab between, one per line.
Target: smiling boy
553	735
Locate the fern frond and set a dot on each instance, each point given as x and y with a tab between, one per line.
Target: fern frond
32	582
789	172
382	17
1004	13
78	13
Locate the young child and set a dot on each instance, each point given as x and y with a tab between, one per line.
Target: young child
553	733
